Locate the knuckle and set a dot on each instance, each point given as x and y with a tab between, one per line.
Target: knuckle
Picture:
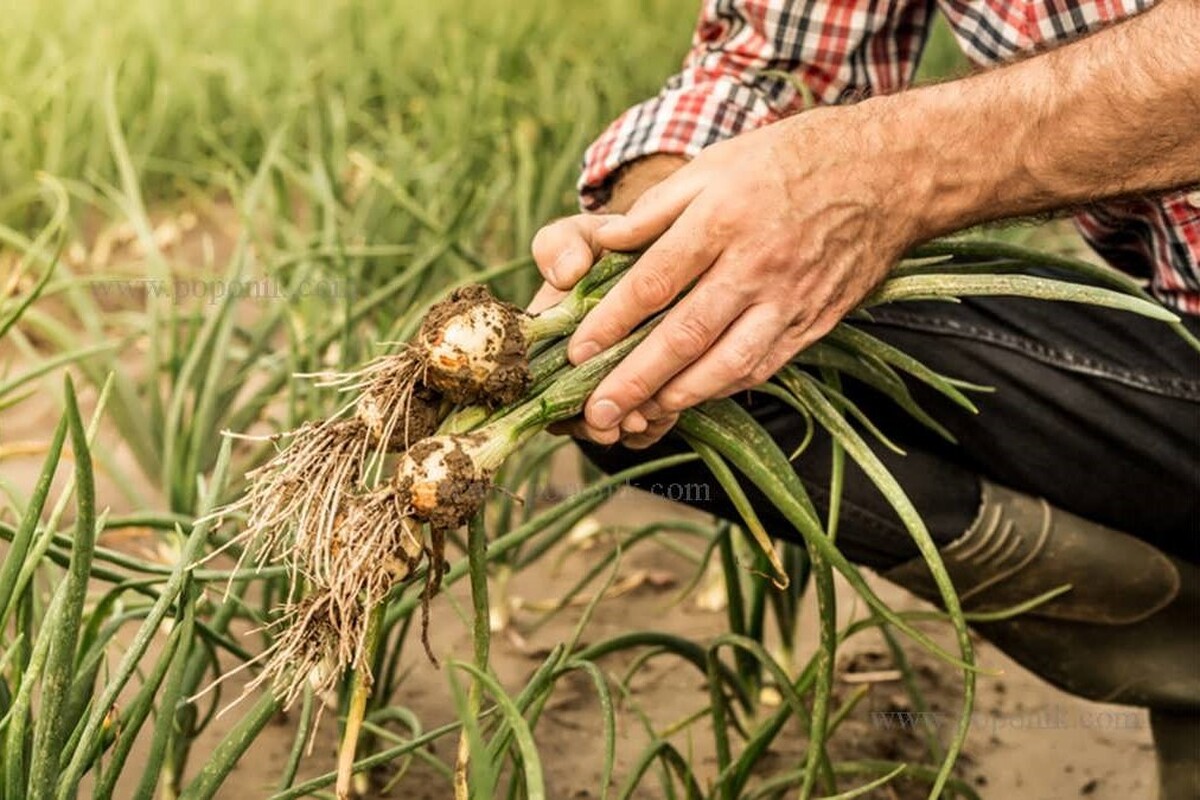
720	227
763	372
648	199
637	389
688	338
818	329
676	399
539	238
650	288
599	436
651	411
544	239
608	329
740	358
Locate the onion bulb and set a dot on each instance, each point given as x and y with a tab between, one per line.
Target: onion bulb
444	479
474	348
398	420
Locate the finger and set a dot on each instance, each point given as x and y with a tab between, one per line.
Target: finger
735	358
651	410
655	210
565	249
564	427
825	321
577	428
634	423
598	435
664	270
546	297
688	330
786	346
653	433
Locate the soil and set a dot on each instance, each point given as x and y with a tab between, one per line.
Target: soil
458	493
1028	740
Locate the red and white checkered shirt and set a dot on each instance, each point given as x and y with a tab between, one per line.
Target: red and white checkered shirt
747	55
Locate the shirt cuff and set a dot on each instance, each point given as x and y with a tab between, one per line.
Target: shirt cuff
681	120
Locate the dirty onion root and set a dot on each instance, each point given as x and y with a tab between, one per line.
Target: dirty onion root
393	403
292	502
315	639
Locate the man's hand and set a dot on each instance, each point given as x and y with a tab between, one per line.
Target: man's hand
782	231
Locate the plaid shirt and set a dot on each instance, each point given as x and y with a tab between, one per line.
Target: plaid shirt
747	55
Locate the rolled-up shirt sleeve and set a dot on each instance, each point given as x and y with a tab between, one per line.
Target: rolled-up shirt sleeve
752	62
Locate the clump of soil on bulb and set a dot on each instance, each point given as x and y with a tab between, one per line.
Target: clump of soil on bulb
441	483
475	349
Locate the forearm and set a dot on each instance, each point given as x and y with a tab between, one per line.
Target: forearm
1115	114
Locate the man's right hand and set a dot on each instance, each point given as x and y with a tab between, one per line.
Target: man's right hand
766	240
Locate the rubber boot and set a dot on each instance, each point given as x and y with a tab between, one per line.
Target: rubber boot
1177	745
1126	631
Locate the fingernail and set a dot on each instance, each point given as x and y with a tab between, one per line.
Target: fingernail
604	414
651	410
584	351
634	423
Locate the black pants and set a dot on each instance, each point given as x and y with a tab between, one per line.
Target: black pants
1096	410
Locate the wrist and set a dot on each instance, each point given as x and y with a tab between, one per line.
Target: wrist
949	167
634	178
888	161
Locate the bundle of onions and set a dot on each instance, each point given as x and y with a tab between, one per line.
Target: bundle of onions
378	541
312	506
471	348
